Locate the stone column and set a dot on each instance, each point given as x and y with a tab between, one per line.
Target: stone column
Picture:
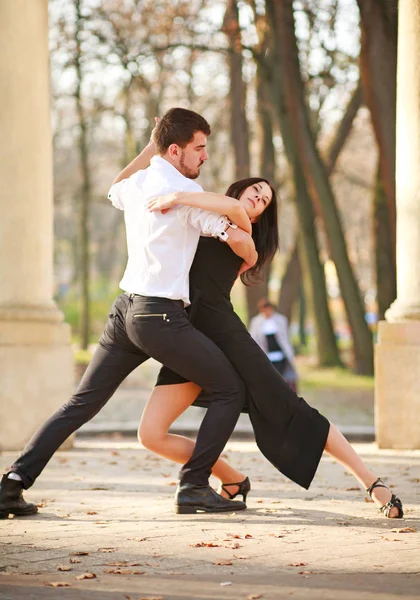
35	352
397	387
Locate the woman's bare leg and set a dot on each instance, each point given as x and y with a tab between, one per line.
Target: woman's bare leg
167	403
338	447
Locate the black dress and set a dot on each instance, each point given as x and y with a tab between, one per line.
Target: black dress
290	433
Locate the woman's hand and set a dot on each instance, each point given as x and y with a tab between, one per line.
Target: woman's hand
163	203
153	133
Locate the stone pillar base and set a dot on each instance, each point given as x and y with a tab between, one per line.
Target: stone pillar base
397	385
36	376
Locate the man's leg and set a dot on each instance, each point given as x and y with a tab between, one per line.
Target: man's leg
112	361
107	369
163	331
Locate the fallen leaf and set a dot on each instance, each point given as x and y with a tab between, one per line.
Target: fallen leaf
171	483
222	562
75	560
57	584
98	488
63	568
241	557
115	453
119	571
353	489
254	597
100	522
275	535
305	572
205	545
299	564
80	553
91	512
248	536
403	530
233	546
137	539
107	549
86	576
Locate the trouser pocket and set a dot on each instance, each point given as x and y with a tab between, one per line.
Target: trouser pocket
162	316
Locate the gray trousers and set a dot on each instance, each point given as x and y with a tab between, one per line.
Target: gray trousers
140	327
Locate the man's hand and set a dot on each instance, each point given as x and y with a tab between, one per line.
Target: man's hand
163	203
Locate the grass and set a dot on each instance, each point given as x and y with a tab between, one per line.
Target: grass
312	377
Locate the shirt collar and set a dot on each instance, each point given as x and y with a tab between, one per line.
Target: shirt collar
160	163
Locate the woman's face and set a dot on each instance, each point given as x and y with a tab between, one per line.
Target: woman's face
255	199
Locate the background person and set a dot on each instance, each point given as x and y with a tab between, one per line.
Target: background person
271	332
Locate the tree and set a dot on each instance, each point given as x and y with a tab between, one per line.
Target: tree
317	178
378	67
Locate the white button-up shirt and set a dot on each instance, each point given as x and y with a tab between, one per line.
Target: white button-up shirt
161	247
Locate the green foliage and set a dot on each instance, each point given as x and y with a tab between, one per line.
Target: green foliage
102	297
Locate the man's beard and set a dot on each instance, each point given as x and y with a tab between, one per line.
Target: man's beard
186	171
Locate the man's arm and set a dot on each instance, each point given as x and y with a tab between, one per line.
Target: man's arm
141	161
218	203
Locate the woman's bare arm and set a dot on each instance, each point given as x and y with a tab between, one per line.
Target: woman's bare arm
243	245
211	201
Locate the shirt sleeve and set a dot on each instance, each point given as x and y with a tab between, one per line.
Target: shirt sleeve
118	193
209	223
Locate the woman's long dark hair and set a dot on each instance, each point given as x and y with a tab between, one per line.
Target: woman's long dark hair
265	231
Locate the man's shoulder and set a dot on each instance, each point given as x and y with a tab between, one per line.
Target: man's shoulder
281	318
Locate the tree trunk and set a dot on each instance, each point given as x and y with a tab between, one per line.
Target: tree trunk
264	108
386	289
343	129
256	291
378	67
237	93
85	191
327	350
318	183
239	127
290	284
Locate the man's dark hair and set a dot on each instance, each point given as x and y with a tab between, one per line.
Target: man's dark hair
178	126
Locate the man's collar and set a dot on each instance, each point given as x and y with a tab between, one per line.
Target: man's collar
162	163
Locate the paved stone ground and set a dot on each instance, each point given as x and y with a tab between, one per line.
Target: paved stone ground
106	509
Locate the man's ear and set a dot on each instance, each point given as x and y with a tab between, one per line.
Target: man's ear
173	151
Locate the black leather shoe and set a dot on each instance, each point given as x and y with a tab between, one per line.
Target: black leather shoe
11	500
190	499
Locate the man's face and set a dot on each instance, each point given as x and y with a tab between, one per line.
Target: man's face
193	156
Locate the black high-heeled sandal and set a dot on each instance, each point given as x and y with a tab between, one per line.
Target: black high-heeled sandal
244	489
393	503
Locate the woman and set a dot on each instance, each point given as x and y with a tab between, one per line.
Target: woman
290	433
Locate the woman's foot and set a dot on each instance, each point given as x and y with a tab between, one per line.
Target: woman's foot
388	503
231	490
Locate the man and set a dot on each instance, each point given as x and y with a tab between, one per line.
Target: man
148	319
270	330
